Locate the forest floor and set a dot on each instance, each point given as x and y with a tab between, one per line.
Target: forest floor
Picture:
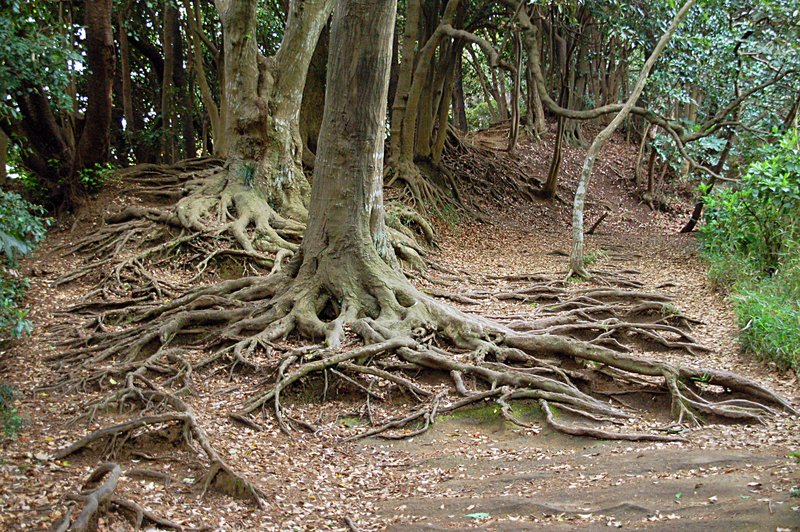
472	469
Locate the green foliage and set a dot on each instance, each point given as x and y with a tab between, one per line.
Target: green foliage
95	177
752	239
594	256
20	229
10	420
759	219
35	53
769	316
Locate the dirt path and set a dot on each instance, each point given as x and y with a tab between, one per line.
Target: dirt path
507	478
727	476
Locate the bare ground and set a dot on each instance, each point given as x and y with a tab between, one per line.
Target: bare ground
471	469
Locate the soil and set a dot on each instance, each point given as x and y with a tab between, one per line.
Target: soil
472	470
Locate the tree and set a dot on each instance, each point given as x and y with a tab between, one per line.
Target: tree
577	265
59	142
343	287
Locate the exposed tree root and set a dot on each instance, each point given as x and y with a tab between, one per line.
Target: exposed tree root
609	316
484	169
159	408
403	333
94	499
211	216
427	187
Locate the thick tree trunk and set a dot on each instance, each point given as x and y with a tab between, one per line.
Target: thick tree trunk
101	61
264	97
346	252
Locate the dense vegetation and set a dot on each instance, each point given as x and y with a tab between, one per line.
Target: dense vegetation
752	239
21	228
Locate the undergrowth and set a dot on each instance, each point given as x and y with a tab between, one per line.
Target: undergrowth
752	241
10	420
21	228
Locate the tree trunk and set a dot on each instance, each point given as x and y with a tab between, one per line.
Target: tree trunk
215	114
459	106
345	242
3	159
313	103
517	80
404	77
577	265
101	61
125	64
264	97
183	86
168	85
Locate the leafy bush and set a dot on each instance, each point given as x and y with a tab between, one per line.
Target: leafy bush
93	178
21	228
752	240
758	220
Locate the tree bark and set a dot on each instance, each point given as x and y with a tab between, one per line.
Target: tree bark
313	103
459	106
125	65
346	253
215	115
101	62
168	84
264	97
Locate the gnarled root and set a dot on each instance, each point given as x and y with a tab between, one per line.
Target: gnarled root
103	494
404	332
215	216
159	409
605	315
483	168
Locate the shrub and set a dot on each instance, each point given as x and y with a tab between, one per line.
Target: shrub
758	220
94	177
21	228
752	241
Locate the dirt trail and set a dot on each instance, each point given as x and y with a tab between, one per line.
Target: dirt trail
723	477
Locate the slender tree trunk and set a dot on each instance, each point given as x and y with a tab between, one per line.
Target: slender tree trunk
183	87
313	103
214	112
406	72
576	261
487	98
535	109
791	116
125	75
168	85
517	80
459	106
3	159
